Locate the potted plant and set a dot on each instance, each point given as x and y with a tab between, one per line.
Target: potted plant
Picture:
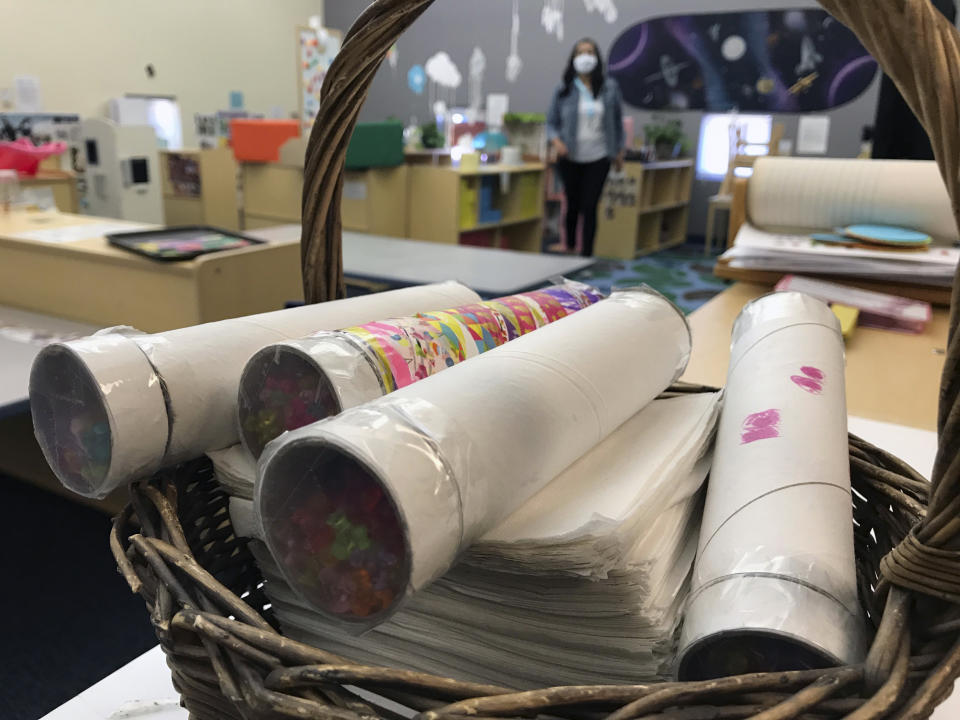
528	132
667	139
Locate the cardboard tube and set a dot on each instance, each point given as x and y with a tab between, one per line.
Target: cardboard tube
291	384
142	402
775	584
364	509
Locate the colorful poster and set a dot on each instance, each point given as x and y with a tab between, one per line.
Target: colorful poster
316	50
764	61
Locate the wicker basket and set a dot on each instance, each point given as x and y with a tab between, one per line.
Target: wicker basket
175	545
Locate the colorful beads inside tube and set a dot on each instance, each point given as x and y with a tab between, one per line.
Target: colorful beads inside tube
71	422
282	392
290	393
341	543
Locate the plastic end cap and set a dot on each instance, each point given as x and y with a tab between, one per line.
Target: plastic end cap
335	531
281	389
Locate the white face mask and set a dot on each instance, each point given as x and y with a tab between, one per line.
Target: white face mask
585	63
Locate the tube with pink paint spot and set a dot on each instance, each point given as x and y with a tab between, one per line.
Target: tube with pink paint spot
775	584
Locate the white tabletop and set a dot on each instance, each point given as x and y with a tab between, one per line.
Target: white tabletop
144	685
489	271
22	335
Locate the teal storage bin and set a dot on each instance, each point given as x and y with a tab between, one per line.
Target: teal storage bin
375	145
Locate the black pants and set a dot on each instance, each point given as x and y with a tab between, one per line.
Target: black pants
583	184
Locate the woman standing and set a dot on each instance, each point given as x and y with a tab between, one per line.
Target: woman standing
585	128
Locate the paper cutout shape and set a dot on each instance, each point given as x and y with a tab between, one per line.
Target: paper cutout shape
478	66
416	79
604	7
514	63
551	18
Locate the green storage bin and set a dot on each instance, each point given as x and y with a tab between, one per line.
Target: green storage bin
375	145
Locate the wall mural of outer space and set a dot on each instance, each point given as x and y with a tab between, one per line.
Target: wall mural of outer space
767	61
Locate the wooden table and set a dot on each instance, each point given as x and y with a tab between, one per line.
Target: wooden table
892	377
72	272
389	262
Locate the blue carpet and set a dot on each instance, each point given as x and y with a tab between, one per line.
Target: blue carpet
684	274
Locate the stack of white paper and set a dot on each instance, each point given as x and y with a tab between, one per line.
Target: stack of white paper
583	584
756	249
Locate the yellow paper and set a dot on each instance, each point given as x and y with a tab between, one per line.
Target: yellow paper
847	316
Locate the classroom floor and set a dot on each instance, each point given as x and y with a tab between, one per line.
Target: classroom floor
684	274
75	620
69	617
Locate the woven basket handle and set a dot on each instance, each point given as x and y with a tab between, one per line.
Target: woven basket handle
920	50
344	90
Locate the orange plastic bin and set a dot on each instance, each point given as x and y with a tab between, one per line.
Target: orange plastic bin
260	140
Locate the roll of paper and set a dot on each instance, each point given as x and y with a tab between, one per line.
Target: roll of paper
790	194
294	383
366	508
118	406
775	584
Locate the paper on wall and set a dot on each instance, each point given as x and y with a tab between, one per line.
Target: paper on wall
813	134
498	104
26	97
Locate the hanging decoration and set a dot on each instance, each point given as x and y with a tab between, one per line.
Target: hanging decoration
416	79
443	80
551	18
478	66
605	7
514	63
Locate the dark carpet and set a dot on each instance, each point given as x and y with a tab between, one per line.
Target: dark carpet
68	618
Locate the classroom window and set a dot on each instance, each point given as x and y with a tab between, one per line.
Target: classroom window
713	152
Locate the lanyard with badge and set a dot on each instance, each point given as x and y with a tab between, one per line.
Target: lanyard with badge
590	104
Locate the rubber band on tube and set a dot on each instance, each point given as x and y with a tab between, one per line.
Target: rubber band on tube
294	383
364	509
774	585
117	406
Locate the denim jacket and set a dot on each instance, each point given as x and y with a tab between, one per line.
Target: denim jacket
565	113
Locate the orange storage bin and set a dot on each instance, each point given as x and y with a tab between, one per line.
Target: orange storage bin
260	140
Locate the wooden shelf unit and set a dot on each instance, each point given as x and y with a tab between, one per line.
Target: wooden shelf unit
373	201
200	187
62	183
644	210
445	204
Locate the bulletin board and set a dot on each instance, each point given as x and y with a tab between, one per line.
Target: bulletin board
314	57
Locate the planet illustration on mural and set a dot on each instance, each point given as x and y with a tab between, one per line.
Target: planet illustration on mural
763	61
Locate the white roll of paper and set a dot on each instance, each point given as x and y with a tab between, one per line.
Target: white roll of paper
116	407
364	509
775	584
790	194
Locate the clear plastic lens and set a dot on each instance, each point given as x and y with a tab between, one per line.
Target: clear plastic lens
336	534
71	421
281	390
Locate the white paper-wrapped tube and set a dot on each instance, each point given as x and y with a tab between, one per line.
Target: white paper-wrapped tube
364	509
114	407
775	584
288	385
